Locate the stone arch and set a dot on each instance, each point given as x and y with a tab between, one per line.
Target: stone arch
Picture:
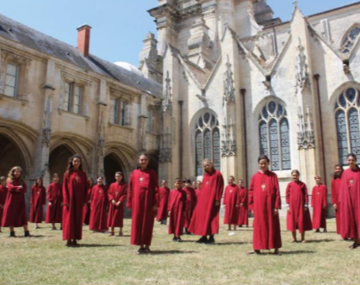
350	38
58	160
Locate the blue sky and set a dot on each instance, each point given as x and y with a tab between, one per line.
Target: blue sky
118	26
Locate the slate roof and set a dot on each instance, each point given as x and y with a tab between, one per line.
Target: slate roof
36	40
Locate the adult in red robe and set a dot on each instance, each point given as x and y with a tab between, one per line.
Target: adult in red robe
14	214
243	215
87	207
163	203
205	220
37	202
177	210
74	199
265	203
99	207
3	194
350	202
297	200
230	202
190	203
54	207
335	194
117	195
143	200
319	203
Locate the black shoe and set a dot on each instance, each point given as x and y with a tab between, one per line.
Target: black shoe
179	239
211	240
354	246
202	240
12	234
27	234
175	239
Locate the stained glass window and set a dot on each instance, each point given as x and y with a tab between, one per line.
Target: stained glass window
347	123
274	136
285	144
216	143
350	38
207	141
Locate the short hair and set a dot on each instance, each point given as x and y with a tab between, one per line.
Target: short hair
240	180
187	180
207	160
178	180
261	157
232	177
317	176
296	171
119	172
351	155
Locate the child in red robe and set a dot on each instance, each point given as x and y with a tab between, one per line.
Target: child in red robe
319	203
163	203
143	201
190	203
87	207
99	207
74	199
230	202
14	214
3	193
54	208
242	203
297	200
37	202
335	194
177	210
265	203
117	195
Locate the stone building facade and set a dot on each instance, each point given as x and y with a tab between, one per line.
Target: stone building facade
224	80
238	82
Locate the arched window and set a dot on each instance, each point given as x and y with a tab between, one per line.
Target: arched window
350	38
207	141
347	123
274	136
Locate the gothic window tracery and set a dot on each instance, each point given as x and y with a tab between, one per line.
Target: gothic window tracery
274	136
207	141
347	123
350	38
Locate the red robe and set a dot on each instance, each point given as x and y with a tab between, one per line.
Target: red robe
297	198
54	212
205	220
87	208
264	197
318	203
350	204
37	203
177	207
74	195
142	197
230	201
3	193
335	197
243	217
118	193
99	206
163	203
15	207
190	205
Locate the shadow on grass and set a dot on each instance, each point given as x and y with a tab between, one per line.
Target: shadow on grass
99	245
164	252
296	252
232	243
32	236
319	241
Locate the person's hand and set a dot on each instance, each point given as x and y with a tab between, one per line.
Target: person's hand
217	203
237	206
118	203
306	209
50	204
335	206
288	210
20	187
113	202
276	212
252	212
169	214
241	204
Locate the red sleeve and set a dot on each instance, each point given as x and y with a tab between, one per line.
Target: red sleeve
219	187
130	191
243	196
312	197
65	191
124	192
306	195
110	193
85	187
251	195
49	193
288	194
224	200
32	194
106	189
325	197
277	193
156	197
170	202
333	192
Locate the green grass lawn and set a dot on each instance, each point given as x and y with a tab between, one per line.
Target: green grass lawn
44	259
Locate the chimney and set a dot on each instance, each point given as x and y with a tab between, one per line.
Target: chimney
83	42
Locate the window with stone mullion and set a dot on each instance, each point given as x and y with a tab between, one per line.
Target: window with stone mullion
11	80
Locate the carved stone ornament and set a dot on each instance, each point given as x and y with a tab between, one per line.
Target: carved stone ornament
229	89
306	137
167	100
165	148
301	66
47	123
